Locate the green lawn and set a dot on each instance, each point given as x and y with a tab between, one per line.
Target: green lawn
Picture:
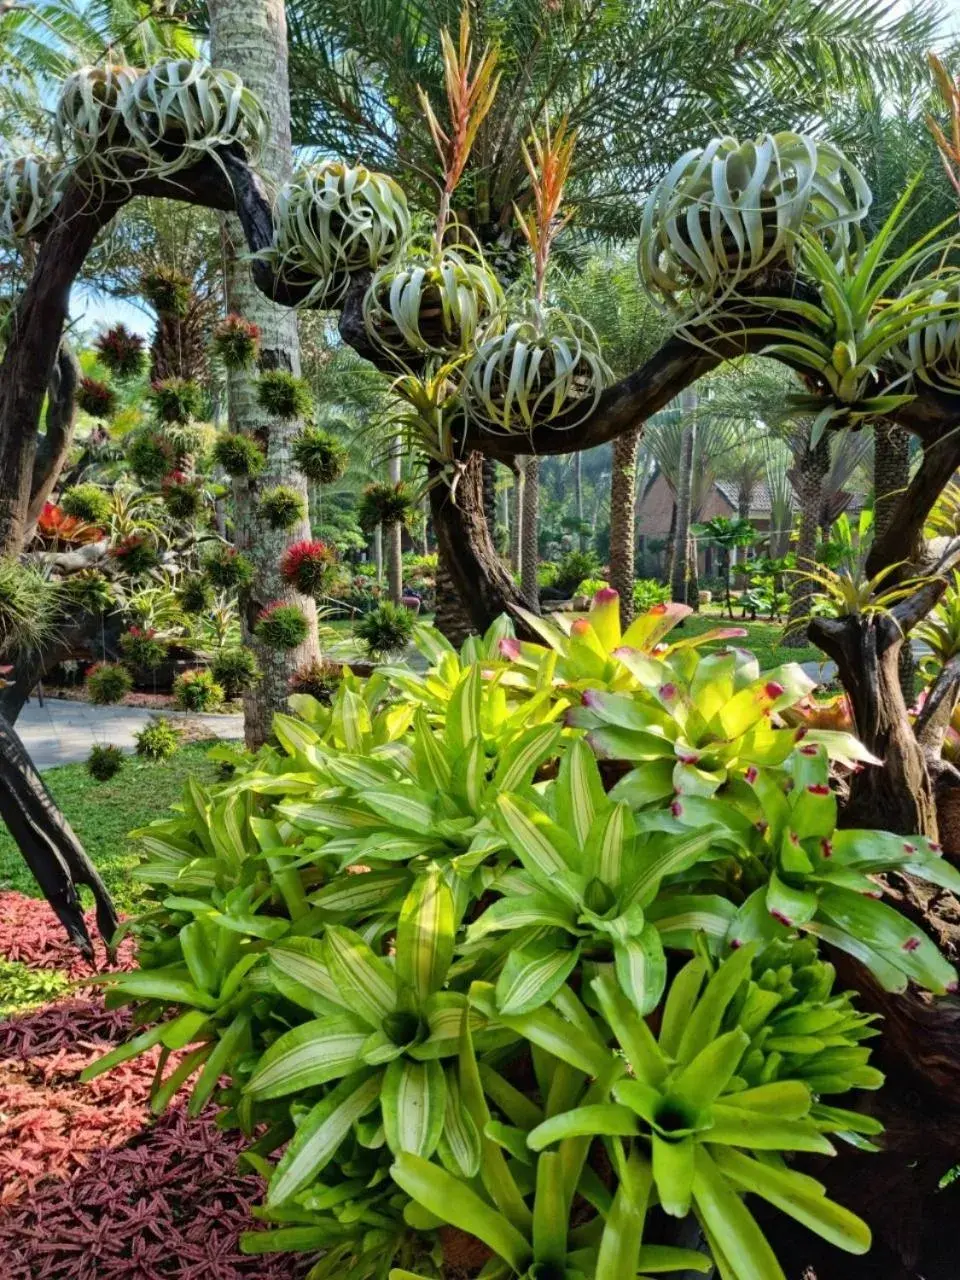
764	639
102	813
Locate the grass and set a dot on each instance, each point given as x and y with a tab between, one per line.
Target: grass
102	813
765	639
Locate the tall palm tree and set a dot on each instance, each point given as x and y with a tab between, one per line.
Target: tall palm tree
530	533
680	570
250	38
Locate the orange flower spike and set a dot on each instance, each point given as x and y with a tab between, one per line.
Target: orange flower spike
949	148
549	168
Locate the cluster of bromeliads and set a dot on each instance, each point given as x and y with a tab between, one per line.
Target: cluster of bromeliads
718	230
526	950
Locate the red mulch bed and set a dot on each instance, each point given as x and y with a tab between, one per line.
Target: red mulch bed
31	933
92	1187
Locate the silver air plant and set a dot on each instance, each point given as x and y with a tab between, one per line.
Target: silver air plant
546	364
88	124
30	190
728	210
931	353
180	111
435	300
332	221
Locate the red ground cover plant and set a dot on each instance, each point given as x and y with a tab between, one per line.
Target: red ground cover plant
92	1187
32	934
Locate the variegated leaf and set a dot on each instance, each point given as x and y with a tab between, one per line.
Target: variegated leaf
413	1101
309	1055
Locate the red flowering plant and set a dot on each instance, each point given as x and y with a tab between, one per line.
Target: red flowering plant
307	565
96	398
54	525
141	647
121	351
136	553
182	495
237	342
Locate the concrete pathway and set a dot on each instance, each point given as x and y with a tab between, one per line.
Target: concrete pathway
62	732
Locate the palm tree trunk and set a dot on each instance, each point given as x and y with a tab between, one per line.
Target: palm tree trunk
623	483
393	534
680	573
516	518
530	538
250	38
891	475
812	468
578	497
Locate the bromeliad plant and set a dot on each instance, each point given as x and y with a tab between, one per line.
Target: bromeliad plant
412	948
727	211
546	363
29	193
434	299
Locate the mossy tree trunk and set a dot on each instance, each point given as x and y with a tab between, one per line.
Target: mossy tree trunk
530	534
250	38
812	468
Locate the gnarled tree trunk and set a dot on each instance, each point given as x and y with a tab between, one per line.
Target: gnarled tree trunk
811	470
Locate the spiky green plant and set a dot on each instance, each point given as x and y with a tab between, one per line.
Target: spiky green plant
30	608
197	691
239	455
103	763
158	740
282	626
236	342
235	670
284	395
385	504
385	630
87	502
319	455
228	569
108	683
195	594
175	400
282	507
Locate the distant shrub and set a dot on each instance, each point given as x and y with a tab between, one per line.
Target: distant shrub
386	629
104	762
197	691
108	683
236	670
158	740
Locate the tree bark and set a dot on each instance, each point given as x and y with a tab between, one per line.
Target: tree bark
578	498
623	489
467	554
530	539
811	470
49	847
516	517
680	572
250	38
897	795
393	534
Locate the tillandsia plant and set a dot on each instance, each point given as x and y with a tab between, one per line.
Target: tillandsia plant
282	507
860	322
121	351
405	946
107	683
175	400
29	193
142	647
435	301
88	125
308	566
104	762
182	495
726	211
239	455
96	398
385	504
197	691
178	112
333	221
547	363
236	342
87	502
228	569
282	626
320	455
284	395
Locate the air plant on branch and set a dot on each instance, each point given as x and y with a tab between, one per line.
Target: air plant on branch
88	124
546	363
435	300
860	323
29	193
332	221
727	210
121	351
180	111
319	455
236	342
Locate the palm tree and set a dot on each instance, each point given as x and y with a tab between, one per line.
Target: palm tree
250	38
728	534
680	586
530	533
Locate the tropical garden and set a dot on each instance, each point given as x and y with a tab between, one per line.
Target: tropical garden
537	425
